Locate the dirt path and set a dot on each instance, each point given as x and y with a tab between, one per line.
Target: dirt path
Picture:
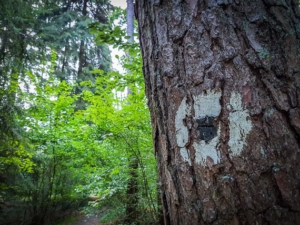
85	220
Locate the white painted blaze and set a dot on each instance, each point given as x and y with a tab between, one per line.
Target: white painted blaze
182	133
207	149
207	105
204	105
185	155
239	125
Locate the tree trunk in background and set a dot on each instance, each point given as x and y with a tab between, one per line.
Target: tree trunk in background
130	20
132	212
80	103
223	87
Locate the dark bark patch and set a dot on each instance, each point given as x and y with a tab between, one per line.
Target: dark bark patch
295	119
206	128
246	94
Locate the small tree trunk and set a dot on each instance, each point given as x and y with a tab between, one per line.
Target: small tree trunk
80	103
223	88
132	185
130	20
132	192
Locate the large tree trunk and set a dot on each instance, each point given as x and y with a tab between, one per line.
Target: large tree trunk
223	85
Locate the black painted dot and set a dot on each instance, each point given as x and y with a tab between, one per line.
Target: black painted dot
206	128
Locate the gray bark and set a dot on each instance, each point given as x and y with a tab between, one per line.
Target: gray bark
130	26
130	20
223	87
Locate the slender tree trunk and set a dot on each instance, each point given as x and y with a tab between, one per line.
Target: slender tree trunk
81	56
130	20
223	87
132	192
132	185
80	103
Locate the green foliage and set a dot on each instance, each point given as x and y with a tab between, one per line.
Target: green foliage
55	152
14	39
128	122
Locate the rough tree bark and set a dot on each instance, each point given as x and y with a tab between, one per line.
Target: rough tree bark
223	87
